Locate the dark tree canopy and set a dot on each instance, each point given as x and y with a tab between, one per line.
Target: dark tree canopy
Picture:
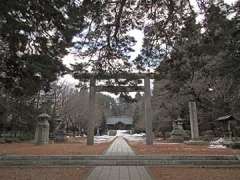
34	36
202	65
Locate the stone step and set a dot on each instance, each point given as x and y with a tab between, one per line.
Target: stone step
119	157
136	161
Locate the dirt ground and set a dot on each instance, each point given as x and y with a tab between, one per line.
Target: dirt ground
180	149
70	148
44	173
180	173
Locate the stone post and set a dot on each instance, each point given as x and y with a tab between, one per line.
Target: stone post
148	111
193	120
98	132
91	122
42	130
229	130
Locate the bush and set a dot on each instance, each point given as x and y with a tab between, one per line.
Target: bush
168	134
235	145
207	135
2	141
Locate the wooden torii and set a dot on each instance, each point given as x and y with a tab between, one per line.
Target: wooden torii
130	76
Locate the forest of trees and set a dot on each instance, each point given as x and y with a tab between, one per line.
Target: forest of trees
203	66
193	44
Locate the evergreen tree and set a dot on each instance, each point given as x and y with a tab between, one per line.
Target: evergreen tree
198	66
34	36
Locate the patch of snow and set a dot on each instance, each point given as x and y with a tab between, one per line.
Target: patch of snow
210	89
131	137
103	139
19	53
139	135
212	146
21	32
217	142
166	143
121	132
38	75
125	134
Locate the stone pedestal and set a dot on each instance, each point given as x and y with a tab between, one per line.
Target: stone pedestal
59	136
42	129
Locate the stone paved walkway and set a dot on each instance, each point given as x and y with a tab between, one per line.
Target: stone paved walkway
119	148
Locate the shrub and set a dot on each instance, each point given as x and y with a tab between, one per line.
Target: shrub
235	145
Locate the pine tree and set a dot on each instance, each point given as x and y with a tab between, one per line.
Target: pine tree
34	36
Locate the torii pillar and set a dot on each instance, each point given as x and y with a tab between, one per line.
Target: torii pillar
148	111
92	110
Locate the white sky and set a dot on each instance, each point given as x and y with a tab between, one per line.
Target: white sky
137	34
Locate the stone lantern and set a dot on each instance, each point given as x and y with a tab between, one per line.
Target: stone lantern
42	129
178	134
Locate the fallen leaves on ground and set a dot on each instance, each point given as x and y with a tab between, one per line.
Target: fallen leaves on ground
53	149
180	173
180	149
44	173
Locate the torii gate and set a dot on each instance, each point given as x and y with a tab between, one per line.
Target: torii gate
130	76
